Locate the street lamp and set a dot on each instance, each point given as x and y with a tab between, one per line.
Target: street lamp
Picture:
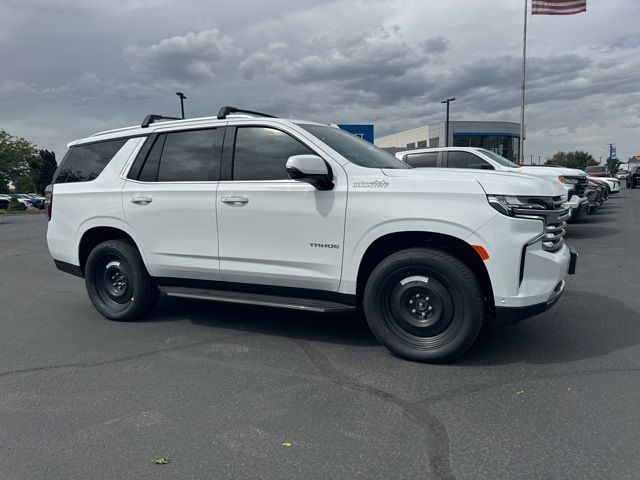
446	128
182	99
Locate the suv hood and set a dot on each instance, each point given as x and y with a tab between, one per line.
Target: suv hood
492	182
552	171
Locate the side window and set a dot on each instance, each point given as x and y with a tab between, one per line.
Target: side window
84	163
261	153
187	156
456	159
149	171
426	159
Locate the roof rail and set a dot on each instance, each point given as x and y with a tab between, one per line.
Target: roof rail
224	111
149	119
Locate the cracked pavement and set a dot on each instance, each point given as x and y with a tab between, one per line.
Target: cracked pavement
219	388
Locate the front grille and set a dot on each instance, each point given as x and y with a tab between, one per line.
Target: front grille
555	221
580	185
554	235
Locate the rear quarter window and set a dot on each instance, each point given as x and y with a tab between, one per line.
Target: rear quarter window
84	163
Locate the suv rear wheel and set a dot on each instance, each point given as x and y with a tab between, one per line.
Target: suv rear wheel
117	281
424	304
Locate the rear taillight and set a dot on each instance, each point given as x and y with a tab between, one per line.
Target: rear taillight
49	199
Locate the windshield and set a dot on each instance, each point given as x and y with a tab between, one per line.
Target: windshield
499	158
354	149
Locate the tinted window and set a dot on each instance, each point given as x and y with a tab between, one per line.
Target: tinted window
464	160
353	149
426	159
261	153
500	159
187	156
149	171
84	163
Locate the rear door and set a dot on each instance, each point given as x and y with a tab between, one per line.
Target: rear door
169	202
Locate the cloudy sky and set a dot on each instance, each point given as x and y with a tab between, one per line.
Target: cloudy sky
74	67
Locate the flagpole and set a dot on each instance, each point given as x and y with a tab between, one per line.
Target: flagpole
524	67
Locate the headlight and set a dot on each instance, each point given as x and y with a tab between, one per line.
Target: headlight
507	204
572	181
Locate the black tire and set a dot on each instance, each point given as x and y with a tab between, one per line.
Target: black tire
450	297
117	281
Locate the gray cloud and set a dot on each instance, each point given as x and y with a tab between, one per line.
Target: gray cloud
381	53
192	57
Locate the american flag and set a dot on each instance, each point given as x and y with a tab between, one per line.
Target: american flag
558	7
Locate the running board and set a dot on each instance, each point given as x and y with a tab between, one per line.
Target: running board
258	299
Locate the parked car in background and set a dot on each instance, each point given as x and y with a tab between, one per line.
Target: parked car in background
613	184
29	200
573	181
4	201
37	200
602	185
633	178
598	171
596	194
621	175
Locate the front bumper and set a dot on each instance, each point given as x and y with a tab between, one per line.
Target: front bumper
522	272
513	315
578	205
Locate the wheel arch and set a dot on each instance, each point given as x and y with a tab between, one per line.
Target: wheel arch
390	243
96	235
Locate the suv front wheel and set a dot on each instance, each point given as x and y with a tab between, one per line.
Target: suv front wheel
117	281
424	304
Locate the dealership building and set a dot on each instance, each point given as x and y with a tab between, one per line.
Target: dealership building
500	137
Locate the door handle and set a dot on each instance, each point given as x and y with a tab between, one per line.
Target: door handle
235	200
143	200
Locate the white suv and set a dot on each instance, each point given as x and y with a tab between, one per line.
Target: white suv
574	181
247	208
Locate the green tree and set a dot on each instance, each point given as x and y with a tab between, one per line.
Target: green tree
42	169
24	184
613	164
577	159
15	154
15	206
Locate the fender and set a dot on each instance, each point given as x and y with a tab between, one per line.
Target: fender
354	250
105	221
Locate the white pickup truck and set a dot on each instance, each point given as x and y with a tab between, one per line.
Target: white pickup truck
574	181
248	208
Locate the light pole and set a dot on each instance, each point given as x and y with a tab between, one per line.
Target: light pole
446	128
182	99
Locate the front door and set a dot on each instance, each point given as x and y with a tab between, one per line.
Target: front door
170	205
274	230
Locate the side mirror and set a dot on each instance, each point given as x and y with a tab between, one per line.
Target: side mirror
311	169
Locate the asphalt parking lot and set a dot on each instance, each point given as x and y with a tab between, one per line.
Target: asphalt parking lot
219	389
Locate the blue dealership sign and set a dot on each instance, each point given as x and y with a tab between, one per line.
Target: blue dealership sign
612	152
363	131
